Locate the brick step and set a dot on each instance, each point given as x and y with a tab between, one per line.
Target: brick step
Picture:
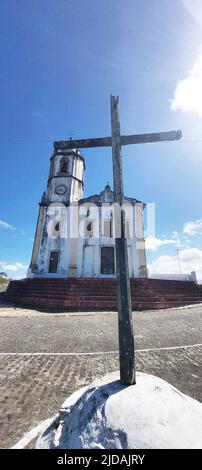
103	290
171	289
82	305
78	288
70	294
64	298
104	301
55	289
176	294
80	292
101	294
61	289
104	295
45	302
103	285
92	281
100	287
106	283
67	281
164	282
110	295
102	279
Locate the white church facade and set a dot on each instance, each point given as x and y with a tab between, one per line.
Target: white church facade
75	235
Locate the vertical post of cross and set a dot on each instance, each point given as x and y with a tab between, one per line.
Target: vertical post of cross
126	337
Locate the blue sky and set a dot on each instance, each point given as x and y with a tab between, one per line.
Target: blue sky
60	61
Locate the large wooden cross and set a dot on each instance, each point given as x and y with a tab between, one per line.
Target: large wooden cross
126	336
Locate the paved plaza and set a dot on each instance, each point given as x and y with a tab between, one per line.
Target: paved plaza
44	357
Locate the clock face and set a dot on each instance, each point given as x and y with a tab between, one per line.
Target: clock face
61	189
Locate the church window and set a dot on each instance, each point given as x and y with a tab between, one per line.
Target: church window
57	227
108	228
127	229
64	166
89	229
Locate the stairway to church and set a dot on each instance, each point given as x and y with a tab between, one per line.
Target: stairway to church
100	294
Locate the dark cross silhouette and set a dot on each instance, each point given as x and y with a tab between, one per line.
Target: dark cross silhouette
126	336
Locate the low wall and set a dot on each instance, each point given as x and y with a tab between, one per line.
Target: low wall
176	277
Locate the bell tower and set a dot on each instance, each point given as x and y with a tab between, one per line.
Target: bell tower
64	187
65	181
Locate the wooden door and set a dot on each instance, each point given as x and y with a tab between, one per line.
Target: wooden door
107	260
53	263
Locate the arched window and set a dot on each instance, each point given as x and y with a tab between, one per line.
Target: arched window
89	229
64	165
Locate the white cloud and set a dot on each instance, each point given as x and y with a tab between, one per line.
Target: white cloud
188	92
194	7
176	237
164	264
6	226
190	260
193	227
13	267
153	243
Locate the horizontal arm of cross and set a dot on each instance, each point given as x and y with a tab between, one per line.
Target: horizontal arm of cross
125	140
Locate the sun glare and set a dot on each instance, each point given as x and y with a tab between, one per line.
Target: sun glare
194	7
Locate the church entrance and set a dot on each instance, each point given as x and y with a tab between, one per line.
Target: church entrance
88	261
107	260
53	263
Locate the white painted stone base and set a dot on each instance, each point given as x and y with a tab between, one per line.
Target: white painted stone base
33	434
149	415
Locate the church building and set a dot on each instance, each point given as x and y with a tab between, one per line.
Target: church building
73	263
75	235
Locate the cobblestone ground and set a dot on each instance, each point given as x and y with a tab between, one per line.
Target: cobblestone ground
33	386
